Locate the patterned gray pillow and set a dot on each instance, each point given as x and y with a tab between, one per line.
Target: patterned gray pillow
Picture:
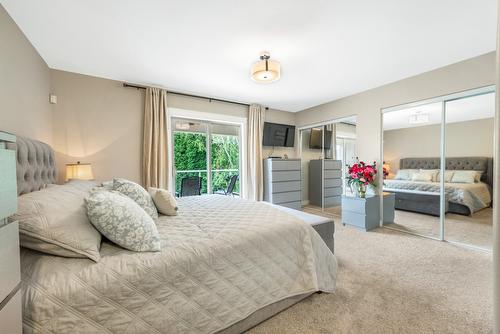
138	194
122	221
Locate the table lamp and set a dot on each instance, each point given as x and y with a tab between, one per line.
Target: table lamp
79	171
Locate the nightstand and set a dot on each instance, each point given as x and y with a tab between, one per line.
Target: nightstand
364	213
10	275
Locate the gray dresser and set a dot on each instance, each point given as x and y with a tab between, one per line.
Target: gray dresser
10	275
364	213
282	182
330	177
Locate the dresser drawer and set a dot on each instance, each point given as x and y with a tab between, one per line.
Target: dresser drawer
11	320
333	183
333	191
8	186
10	275
333	201
356	205
286	165
332	174
333	164
353	219
292	196
279	187
285	176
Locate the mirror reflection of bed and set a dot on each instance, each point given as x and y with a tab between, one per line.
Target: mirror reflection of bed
413	142
468	211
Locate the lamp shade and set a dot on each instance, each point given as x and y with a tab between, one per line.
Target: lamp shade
79	171
265	70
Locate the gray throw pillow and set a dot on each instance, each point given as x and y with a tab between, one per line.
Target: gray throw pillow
138	194
122	221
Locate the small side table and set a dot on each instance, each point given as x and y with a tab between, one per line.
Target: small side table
364	213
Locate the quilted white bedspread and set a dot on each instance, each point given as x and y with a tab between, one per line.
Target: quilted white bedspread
222	259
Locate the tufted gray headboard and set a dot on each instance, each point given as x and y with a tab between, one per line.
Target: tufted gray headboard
483	164
36	165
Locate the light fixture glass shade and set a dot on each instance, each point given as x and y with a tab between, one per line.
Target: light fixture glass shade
79	171
266	70
419	118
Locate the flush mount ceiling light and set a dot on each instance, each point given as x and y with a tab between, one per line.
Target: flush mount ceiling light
419	118
265	70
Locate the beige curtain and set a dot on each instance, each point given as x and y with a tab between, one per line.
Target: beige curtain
155	140
255	183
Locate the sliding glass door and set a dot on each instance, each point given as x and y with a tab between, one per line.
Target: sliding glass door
208	152
225	157
438	159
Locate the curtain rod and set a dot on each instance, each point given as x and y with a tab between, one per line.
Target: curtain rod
190	95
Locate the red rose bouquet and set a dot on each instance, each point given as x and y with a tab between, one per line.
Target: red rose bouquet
360	175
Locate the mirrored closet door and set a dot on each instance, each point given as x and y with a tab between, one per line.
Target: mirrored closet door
469	175
411	158
325	151
453	134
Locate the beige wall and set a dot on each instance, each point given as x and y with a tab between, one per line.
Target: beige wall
24	85
472	73
463	139
99	121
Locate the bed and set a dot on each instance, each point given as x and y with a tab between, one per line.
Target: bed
226	264
461	198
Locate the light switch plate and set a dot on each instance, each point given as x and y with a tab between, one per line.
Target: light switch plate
53	98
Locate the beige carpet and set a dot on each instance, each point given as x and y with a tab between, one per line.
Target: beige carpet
476	230
391	282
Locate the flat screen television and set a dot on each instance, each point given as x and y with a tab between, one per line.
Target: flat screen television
278	135
316	138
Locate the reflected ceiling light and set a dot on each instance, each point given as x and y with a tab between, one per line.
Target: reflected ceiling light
265	70
419	118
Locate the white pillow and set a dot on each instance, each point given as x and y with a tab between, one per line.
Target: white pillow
435	173
108	185
122	220
464	176
448	175
54	221
424	175
405	174
137	193
477	177
165	202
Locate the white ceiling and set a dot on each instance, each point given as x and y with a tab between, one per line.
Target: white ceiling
467	109
327	49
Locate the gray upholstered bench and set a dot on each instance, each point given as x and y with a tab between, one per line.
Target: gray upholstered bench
324	226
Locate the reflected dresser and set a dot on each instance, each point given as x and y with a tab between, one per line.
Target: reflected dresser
325	182
10	276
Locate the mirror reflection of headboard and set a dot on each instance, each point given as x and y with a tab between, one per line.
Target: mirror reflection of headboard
36	165
483	164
